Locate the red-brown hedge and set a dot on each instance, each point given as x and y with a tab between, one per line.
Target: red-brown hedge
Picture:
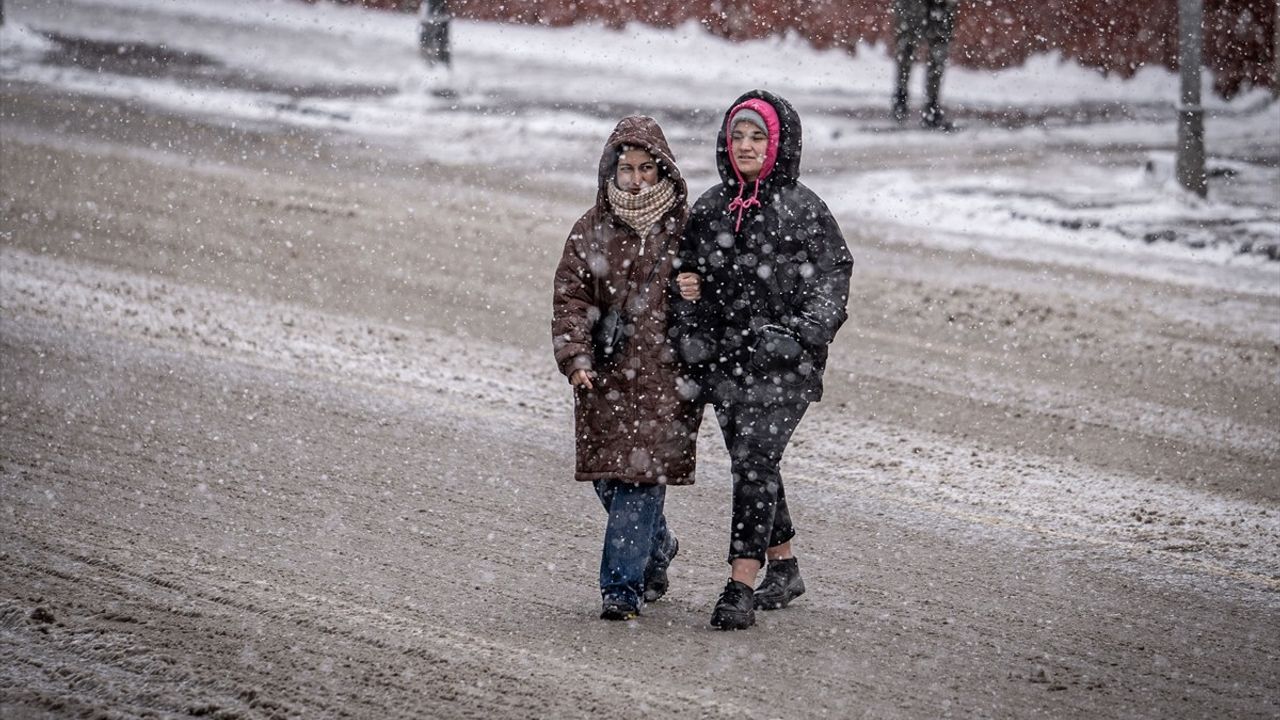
1116	36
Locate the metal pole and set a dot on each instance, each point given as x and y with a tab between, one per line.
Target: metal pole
1191	173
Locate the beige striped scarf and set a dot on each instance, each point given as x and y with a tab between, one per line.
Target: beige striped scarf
641	211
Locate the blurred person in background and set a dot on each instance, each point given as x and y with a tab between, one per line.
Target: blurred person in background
433	32
928	22
763	282
635	424
434	17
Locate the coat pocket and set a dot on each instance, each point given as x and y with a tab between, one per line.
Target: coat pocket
778	353
776	348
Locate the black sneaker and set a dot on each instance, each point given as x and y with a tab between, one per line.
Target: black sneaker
932	118
614	609
735	610
780	586
899	111
655	581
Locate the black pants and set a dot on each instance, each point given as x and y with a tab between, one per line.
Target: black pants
932	23
756	436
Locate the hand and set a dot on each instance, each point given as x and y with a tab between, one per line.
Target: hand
690	285
582	378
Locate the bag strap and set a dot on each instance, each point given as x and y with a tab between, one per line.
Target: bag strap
653	271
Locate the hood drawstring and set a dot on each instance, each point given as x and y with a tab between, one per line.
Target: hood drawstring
743	205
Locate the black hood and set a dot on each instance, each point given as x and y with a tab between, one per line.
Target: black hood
786	169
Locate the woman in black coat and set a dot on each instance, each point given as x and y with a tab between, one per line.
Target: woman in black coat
764	279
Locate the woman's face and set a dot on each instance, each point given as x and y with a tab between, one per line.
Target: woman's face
748	143
637	170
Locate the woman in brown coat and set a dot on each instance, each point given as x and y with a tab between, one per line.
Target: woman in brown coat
636	430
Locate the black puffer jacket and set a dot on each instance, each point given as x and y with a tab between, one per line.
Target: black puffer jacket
774	288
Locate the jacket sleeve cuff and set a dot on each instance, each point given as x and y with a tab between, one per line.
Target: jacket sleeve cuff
574	363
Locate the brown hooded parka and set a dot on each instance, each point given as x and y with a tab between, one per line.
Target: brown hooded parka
637	424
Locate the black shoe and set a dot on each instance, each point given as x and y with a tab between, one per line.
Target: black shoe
735	610
655	582
780	586
618	610
932	118
899	111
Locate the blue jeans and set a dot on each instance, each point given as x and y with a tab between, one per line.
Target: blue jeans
635	538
